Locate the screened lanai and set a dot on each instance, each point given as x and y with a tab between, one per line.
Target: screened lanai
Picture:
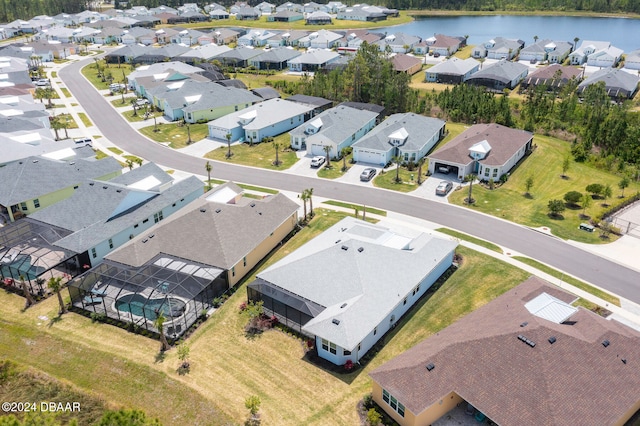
179	288
27	252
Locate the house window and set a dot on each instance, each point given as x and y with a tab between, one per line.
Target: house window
93	253
406	156
346	352
404	302
233	271
375	331
393	402
495	172
329	346
157	217
23	206
145	221
110	243
36	203
244	261
486	172
291	120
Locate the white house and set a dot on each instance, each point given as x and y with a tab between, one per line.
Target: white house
498	48
322	39
268	118
336	128
487	150
632	60
359	280
595	53
452	71
410	136
553	51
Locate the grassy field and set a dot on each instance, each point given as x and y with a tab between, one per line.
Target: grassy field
85	119
253	81
68	118
387	180
570	280
226	367
119	104
351	206
118	73
172	133
259	155
545	166
469	238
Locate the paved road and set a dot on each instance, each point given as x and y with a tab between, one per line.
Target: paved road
601	272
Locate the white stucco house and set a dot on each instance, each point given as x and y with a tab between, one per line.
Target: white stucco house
360	279
596	53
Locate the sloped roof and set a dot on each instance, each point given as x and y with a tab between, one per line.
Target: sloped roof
548	74
420	130
575	380
505	142
317	57
232	230
240	54
347	271
502	71
454	66
276	55
337	124
217	96
614	80
402	62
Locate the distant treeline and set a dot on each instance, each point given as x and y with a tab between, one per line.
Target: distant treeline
11	10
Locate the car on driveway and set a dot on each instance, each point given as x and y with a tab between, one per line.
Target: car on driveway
367	174
444	187
43	82
317	161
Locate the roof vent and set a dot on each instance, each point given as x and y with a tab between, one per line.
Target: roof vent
345	248
337	241
360	249
145	240
91	183
605	343
118	190
152	235
552	340
202	210
335	321
527	341
104	187
430	366
35	161
252	204
72	163
624	361
524	324
344	305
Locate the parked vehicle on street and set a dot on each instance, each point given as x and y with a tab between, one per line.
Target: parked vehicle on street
444	187
83	141
367	174
317	161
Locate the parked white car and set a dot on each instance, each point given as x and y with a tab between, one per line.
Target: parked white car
317	161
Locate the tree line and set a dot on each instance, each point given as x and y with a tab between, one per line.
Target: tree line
610	6
11	10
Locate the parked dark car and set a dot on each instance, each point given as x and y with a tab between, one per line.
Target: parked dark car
444	187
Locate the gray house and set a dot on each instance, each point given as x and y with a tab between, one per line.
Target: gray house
274	59
499	76
410	136
452	71
359	279
336	128
546	50
498	48
618	83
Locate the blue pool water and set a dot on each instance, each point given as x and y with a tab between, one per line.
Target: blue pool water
21	266
138	304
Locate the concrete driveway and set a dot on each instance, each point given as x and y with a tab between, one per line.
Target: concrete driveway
303	165
428	188
353	175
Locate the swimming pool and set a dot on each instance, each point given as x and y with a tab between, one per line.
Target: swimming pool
137	304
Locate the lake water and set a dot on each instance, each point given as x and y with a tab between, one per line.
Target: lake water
623	33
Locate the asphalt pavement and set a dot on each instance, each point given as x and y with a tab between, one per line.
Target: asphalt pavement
599	271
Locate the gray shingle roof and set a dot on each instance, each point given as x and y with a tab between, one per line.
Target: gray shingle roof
503	71
420	129
218	96
276	55
338	124
240	54
220	236
98	212
337	272
575	380
34	177
615	80
454	66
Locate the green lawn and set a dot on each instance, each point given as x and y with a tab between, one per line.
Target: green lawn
115	150
71	123
85	119
570	280
91	73
65	92
352	206
118	102
100	154
469	238
259	155
139	116
545	166
335	171
176	135
54	74
387	180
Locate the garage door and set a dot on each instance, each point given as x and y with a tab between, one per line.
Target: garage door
363	156
317	149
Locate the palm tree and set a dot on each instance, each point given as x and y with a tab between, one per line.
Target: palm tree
420	164
304	196
535	38
129	163
228	136
55	124
344	152
208	168
29	298
135	107
276	145
470	178
310	190
159	324
327	151
55	284
575	42
398	160
188	134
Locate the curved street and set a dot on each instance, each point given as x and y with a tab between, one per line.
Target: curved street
591	268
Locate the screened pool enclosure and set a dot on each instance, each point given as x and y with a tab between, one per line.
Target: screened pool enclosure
178	288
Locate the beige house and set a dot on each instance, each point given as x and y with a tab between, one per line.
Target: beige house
527	358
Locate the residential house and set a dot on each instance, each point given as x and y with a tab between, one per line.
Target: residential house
184	264
538	356
546	50
213	6
139	35
362	13
407	135
163	9
24	144
163	71
335	6
205	53
255	38
87	16
336	128
618	83
351	296
312	7
452	71
316	103
406	63
595	53
103	215
294	7
266	92
188	7
125	54
238	57
219	14
265	8
285	16
237	6
487	150
225	36
247	14
265	119
313	61
188	37
108	35
190	16
499	76
7	31
398	42
318	18
289	38
274	59
351	42
215	102
322	39
34	183
632	60
443	45
498	48
553	76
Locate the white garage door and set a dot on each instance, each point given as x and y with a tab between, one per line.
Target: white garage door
363	156
317	149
